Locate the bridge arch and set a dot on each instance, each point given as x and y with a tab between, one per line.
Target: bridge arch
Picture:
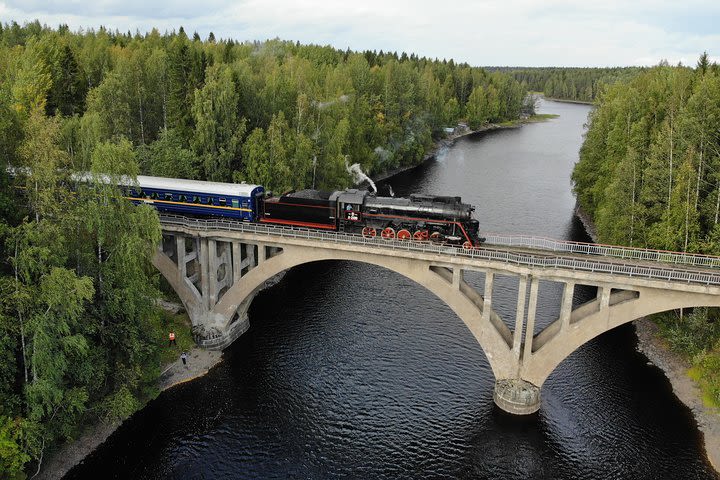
555	344
462	299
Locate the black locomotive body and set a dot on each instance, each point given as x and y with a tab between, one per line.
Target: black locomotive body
421	217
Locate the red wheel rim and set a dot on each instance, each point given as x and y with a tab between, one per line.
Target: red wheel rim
435	236
369	232
418	236
467	245
404	234
388	233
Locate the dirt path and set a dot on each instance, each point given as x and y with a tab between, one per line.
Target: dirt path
675	367
199	363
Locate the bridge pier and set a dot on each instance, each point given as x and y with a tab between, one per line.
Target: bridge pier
202	270
516	396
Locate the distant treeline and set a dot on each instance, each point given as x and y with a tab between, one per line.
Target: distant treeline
578	84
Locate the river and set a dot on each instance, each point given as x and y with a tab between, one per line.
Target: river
352	371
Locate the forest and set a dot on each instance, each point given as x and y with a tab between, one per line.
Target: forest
81	337
649	176
567	83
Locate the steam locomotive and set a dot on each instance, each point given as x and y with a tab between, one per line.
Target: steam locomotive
431	218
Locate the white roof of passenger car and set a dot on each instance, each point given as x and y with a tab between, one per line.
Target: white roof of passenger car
196	186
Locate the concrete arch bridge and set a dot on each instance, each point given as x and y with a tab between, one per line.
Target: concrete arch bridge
216	267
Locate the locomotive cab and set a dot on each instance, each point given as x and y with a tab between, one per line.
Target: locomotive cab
350	204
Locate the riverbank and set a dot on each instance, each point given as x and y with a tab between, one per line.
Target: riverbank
651	344
567	100
199	363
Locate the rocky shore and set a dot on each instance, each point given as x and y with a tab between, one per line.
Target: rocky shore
651	344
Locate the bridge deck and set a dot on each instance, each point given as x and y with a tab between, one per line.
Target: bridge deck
517	250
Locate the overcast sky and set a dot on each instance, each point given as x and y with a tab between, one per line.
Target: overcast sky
482	32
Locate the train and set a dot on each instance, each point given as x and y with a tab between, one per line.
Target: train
422	218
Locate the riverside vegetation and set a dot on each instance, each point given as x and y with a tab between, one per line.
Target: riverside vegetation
81	338
649	176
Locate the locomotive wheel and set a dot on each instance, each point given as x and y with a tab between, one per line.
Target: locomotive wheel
421	235
369	232
404	234
388	233
435	237
467	245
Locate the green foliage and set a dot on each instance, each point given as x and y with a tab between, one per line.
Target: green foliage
120	405
649	167
167	157
696	336
696	332
13	456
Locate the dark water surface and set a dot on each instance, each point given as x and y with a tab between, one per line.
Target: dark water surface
352	371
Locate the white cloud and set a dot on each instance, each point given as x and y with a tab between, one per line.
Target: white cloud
485	32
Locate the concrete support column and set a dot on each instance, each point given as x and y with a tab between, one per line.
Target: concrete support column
566	308
237	263
204	273
261	253
604	295
515	395
250	255
457	277
212	273
532	309
487	298
519	316
180	255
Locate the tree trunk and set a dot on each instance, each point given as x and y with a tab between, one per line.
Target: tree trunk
142	120
699	171
687	216
20	317
632	209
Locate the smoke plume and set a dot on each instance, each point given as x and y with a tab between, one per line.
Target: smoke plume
358	174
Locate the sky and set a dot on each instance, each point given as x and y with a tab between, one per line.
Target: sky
480	32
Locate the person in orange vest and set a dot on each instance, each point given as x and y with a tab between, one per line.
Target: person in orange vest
172	339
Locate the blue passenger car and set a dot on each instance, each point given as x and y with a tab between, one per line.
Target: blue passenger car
242	201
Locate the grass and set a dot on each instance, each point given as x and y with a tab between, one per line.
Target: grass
697	338
180	324
541	117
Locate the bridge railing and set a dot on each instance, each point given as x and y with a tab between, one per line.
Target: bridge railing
545	261
630	253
